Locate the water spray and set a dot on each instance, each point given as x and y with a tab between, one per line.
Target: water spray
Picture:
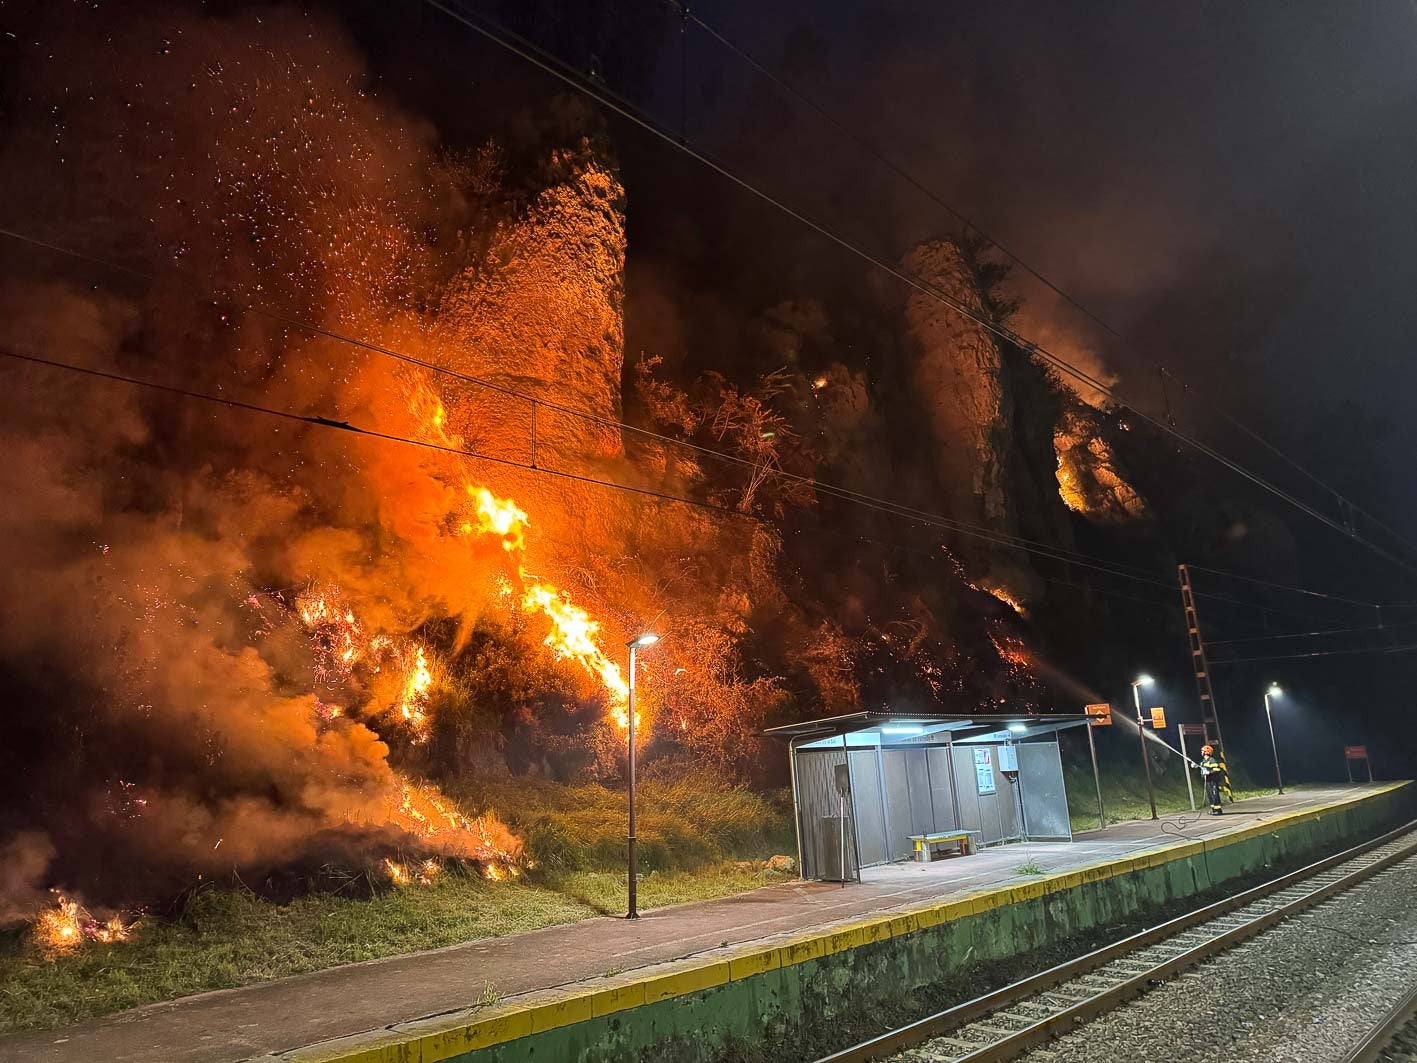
1153	736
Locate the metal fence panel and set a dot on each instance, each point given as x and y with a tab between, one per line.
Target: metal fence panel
1045	796
900	823
870	812
818	809
942	789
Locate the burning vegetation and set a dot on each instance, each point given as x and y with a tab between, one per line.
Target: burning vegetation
239	645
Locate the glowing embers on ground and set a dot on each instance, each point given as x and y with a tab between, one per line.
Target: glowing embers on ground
68	924
422	874
422	812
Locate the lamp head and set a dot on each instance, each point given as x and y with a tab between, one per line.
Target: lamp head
1143	681
1274	690
649	638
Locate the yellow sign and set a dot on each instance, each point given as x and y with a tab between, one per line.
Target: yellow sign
1158	718
1102	714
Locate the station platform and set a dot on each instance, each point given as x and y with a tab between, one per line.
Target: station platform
416	1008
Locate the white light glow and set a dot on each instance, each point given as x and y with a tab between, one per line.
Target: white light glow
1017	728
1144	681
1274	689
913	730
649	638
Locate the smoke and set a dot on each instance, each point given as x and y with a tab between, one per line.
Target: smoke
168	716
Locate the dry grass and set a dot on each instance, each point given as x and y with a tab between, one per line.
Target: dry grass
695	845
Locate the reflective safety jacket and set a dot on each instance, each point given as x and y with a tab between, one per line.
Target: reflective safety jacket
1210	766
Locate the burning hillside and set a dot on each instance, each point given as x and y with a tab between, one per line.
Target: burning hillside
235	643
230	645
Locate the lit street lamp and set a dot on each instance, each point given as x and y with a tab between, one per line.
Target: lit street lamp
1137	683
639	642
1269	715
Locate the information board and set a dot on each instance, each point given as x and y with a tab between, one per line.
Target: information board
1158	718
984	771
1101	715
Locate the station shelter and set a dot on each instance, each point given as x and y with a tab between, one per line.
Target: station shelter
865	783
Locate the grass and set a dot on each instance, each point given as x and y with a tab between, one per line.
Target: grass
1031	867
696	844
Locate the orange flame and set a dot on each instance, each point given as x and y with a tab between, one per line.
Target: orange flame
68	925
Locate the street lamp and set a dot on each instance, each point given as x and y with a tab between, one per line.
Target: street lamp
1137	683
1273	691
649	638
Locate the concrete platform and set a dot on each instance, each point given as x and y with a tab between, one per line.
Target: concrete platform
415	1008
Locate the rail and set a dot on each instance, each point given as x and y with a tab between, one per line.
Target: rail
1009	1021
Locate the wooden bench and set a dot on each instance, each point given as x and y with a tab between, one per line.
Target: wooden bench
923	842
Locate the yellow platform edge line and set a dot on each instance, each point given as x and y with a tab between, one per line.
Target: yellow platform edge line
563	1007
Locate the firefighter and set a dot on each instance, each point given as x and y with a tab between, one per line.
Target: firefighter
1213	772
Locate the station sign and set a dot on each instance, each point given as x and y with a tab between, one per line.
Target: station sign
1356	752
1158	718
1192	729
1102	714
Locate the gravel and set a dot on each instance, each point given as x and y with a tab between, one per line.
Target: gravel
1303	992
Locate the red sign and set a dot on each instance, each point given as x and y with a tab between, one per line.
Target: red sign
1103	714
1192	729
1356	752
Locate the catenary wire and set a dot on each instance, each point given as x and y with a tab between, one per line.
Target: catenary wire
909	178
1318	653
550	64
1312	634
345	426
870	501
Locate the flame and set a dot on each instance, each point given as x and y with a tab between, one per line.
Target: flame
68	925
398	873
573	638
499	516
413	702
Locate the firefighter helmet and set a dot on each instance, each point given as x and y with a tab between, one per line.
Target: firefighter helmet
1207	750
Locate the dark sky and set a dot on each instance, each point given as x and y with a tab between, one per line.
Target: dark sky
1231	185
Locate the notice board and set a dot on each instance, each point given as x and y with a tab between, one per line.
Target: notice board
984	770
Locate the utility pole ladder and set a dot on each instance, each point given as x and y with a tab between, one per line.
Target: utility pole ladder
1209	720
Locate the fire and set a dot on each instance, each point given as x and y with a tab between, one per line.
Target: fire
398	873
413	703
68	925
573	638
499	516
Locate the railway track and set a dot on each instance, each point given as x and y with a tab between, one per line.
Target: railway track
1009	1021
1394	1039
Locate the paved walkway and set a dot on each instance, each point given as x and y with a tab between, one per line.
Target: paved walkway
235	1024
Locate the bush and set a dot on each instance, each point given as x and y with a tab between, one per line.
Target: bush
685	823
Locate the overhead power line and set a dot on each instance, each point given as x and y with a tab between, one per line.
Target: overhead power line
336	424
596	90
1313	634
830	490
1286	587
897	168
1319	653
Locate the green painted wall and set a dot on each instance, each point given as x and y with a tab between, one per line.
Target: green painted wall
767	1008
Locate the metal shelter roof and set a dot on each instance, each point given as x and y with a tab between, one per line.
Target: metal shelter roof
911	728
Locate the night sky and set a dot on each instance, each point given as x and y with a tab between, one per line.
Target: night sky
1228	186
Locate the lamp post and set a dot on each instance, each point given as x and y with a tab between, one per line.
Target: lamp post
1269	715
1137	683
636	643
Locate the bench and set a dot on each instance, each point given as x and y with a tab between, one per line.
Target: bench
924	842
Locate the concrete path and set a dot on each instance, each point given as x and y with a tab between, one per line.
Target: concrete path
235	1024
